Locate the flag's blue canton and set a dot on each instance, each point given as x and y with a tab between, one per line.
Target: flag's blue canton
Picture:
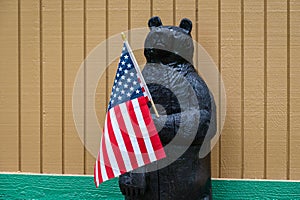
126	84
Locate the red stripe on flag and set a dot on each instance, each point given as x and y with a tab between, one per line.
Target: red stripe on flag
115	145
125	137
99	169
154	137
138	132
100	179
108	169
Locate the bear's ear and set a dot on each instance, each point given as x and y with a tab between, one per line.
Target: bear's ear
154	22
186	24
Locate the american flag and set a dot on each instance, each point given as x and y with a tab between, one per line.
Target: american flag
130	139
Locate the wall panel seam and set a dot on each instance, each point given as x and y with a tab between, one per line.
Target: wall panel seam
220	74
151	8
63	84
107	49
288	150
84	88
265	88
174	12
19	89
197	32
242	91
41	86
129	19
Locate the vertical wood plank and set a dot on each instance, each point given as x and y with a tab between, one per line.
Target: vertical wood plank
117	22
9	137
208	38
73	56
140	13
164	9
253	89
52	87
96	22
231	158
186	9
30	86
294	90
95	34
276	89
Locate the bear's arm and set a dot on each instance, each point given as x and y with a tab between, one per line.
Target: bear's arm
190	124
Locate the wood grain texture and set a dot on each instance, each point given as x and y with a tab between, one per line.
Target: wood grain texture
259	62
73	37
30	85
294	90
116	10
239	189
52	86
186	9
253	89
231	156
208	37
82	187
276	158
164	9
95	34
9	105
140	13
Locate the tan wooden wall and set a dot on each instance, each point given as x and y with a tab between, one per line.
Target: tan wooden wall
255	44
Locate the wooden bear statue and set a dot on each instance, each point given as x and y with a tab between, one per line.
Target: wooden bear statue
185	105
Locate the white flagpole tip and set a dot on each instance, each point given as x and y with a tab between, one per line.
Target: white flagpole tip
123	36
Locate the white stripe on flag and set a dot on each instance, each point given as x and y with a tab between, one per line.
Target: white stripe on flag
102	164
119	138
131	133
96	171
144	129
110	153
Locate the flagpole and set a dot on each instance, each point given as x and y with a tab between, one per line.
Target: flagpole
139	72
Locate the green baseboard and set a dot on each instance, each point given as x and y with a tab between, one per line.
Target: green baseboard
27	186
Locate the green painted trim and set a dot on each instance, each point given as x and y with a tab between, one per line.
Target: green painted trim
27	186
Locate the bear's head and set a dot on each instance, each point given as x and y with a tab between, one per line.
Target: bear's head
169	44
